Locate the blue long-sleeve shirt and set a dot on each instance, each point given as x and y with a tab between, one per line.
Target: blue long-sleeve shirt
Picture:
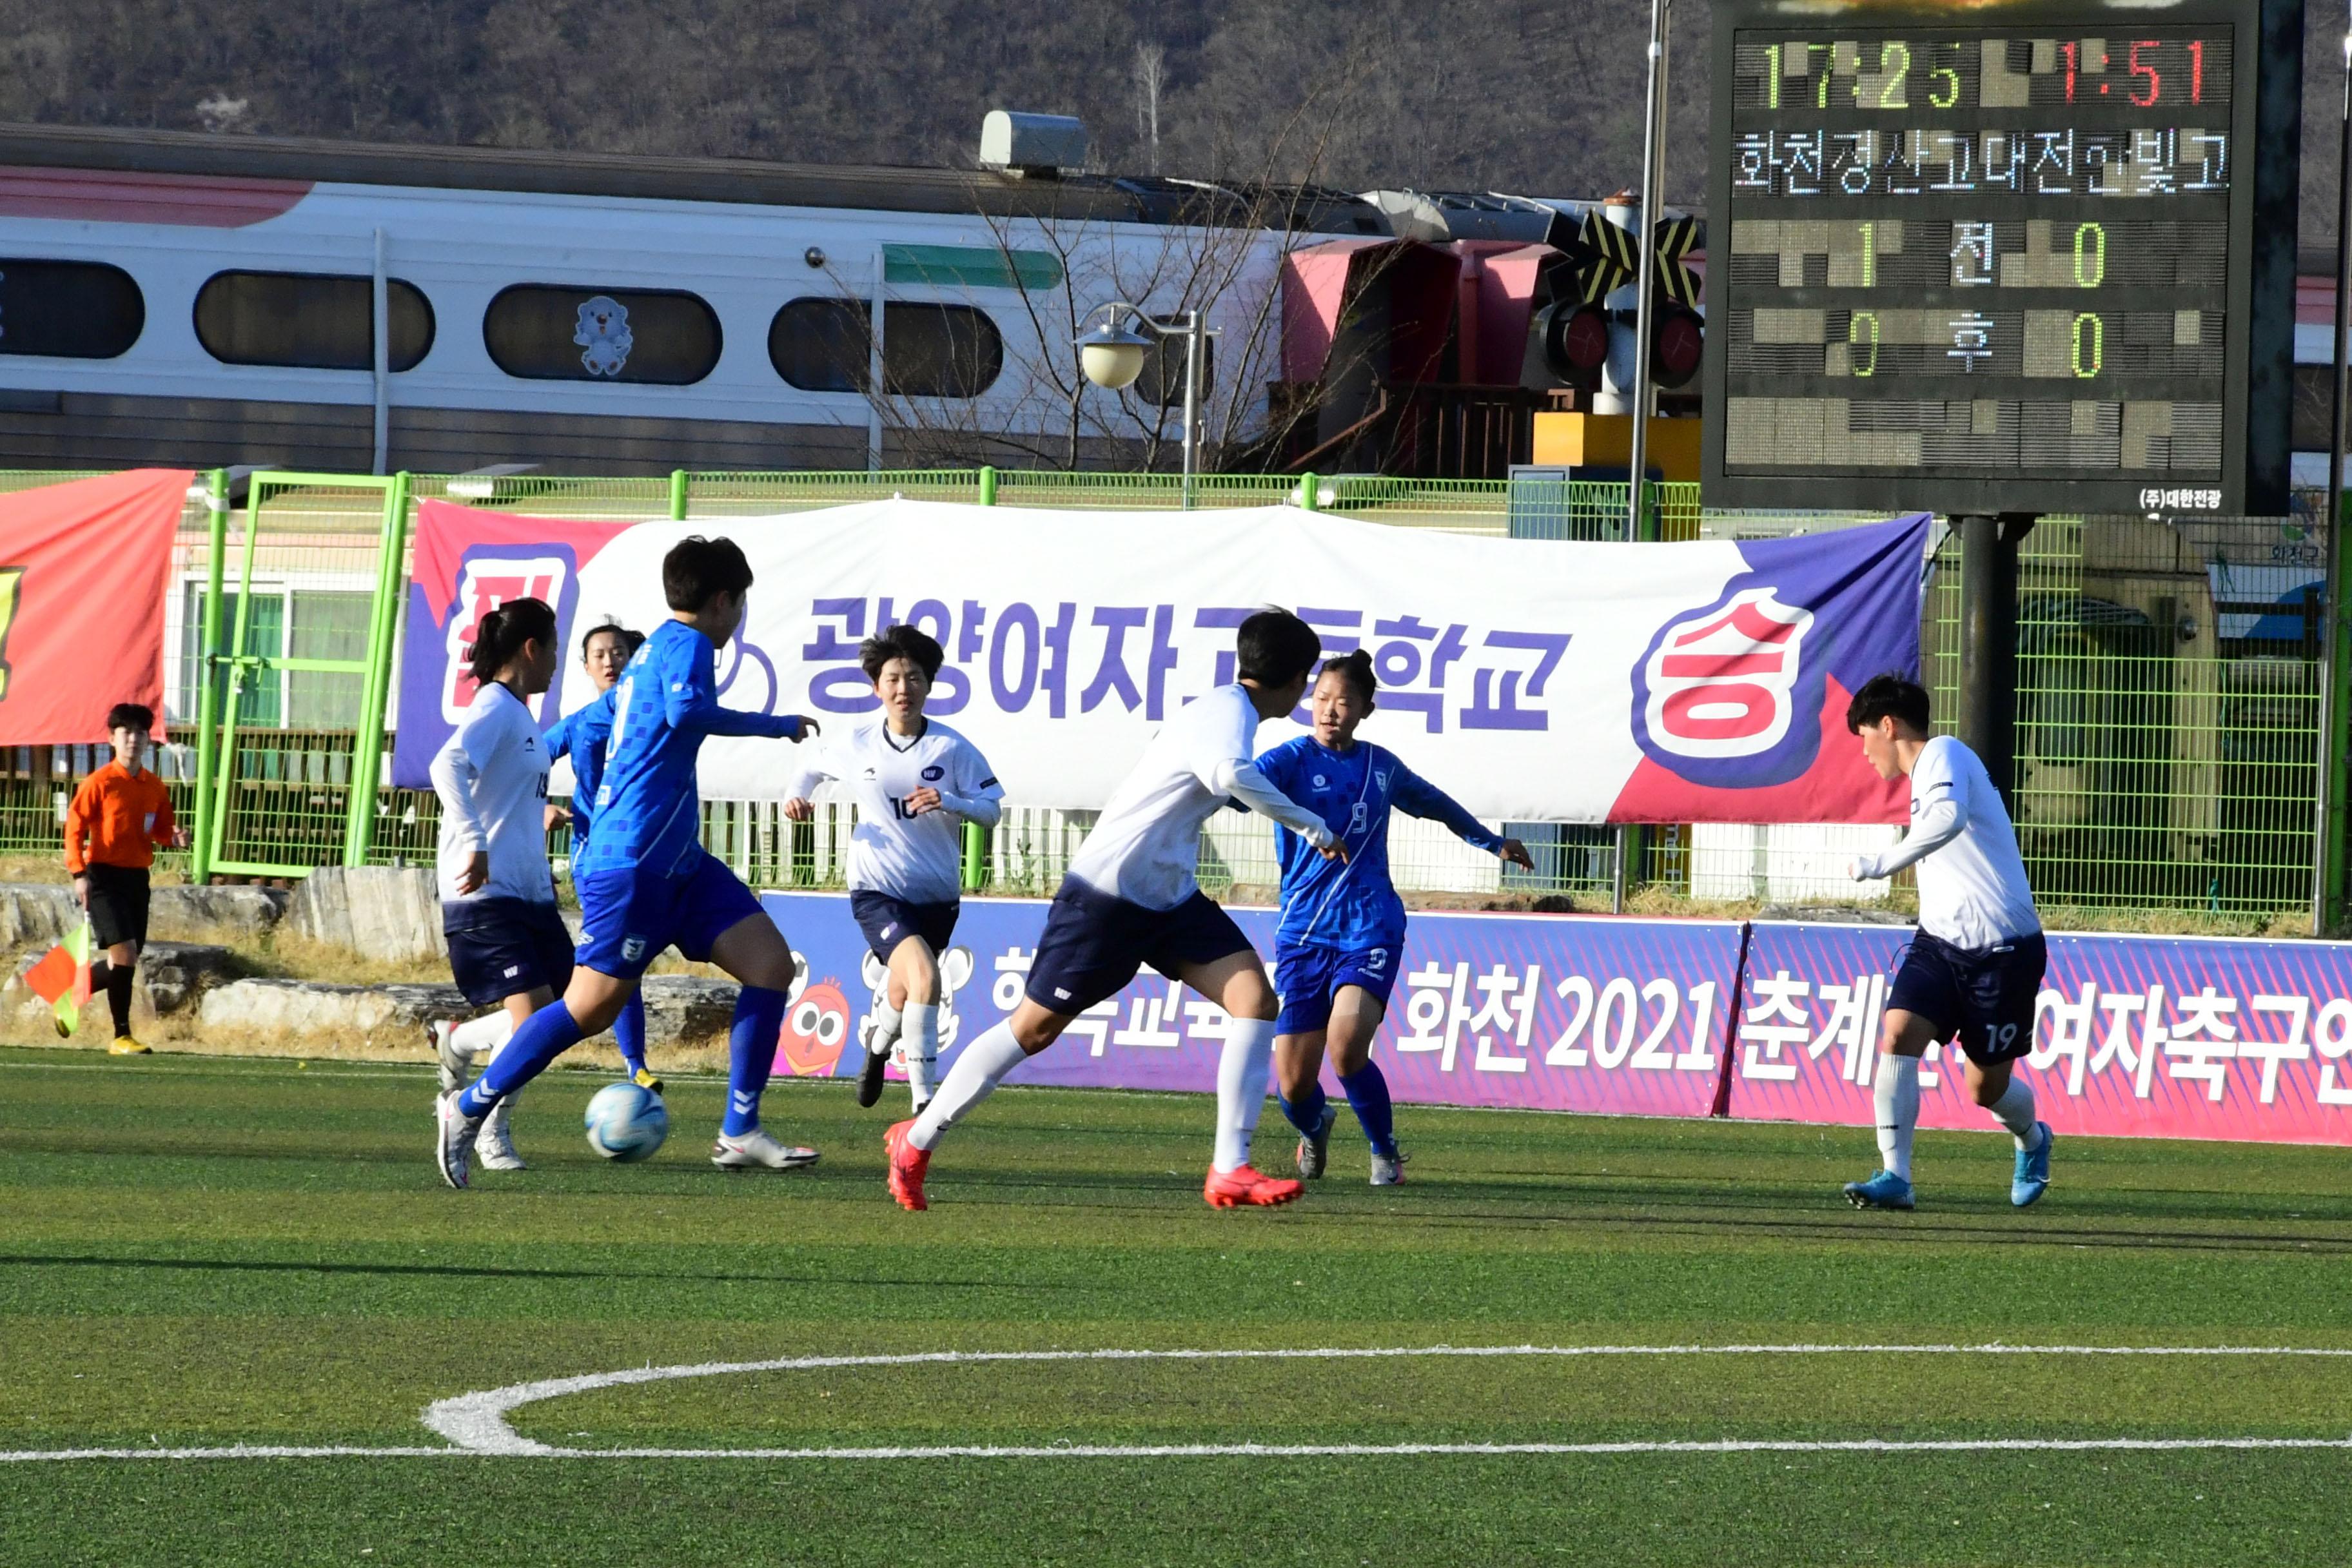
1355	906
647	808
583	736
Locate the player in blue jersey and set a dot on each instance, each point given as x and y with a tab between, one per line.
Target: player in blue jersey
1342	925
582	735
645	881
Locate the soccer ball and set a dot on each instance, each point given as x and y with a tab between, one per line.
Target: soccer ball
626	1122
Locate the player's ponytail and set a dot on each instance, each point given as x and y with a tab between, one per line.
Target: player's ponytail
1356	669
500	635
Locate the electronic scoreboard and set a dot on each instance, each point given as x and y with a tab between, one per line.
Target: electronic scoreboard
2002	257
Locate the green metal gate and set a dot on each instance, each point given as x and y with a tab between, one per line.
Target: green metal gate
302	679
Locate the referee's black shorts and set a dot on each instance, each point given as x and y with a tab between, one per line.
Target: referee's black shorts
117	903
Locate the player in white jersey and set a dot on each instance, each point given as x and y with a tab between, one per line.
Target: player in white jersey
1973	972
915	781
1131	898
509	947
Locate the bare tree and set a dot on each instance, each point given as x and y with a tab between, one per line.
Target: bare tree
1150	76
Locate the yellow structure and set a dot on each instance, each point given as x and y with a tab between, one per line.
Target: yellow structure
1606	441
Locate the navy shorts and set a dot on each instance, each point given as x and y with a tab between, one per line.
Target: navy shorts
502	947
888	921
1983	996
1094	944
1309	978
630	914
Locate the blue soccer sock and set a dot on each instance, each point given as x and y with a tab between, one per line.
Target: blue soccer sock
1367	1096
751	1048
629	1032
1306	1110
543	1037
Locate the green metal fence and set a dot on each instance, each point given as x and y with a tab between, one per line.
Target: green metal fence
2168	703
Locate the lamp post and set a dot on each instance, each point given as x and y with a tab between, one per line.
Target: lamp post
2330	790
1111	356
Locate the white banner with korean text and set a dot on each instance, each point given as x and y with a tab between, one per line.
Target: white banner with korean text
1533	680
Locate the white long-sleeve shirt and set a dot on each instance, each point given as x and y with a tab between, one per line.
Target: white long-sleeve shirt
917	858
491	777
1973	888
1146	845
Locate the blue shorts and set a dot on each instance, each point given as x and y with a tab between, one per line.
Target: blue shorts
503	947
630	914
888	921
1309	979
1984	996
1093	944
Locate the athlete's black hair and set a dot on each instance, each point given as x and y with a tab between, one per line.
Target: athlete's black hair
502	633
697	568
902	642
1885	696
1356	669
1275	647
129	716
630	641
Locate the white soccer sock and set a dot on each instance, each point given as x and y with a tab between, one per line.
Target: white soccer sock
485	1035
1242	1068
2014	1110
921	1050
978	1068
886	1023
1895	1090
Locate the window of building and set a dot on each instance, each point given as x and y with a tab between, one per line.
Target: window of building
69	310
659	336
310	320
928	350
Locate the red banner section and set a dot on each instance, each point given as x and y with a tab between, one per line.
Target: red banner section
83	571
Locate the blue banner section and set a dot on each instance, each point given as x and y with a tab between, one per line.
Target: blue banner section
1552	1013
2140	1037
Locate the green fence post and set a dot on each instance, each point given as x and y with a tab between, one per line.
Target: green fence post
225	764
975	857
1311	492
200	833
678	495
987	490
367	753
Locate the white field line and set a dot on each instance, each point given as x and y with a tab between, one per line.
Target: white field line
476	1424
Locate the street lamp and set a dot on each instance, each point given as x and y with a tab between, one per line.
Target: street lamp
1112	357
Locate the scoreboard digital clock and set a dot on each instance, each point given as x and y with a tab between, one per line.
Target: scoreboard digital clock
2002	256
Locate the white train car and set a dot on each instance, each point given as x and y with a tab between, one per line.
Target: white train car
209	301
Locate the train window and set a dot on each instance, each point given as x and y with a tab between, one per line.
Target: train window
69	310
928	350
310	320
821	346
546	333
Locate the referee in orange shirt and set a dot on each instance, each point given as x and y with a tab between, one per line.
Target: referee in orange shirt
117	817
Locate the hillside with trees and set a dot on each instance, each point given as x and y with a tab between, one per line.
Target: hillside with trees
1516	95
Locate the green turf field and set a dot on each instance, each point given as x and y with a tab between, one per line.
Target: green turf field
203	1253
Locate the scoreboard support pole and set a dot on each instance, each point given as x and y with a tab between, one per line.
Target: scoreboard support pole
1988	716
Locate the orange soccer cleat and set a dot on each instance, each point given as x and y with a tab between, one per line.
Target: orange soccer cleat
908	1165
1245	1187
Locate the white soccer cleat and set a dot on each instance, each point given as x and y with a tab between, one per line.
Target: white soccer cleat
453	1139
494	1144
742	1151
454	1062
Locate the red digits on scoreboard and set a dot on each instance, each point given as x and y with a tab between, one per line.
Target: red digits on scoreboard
2155	82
